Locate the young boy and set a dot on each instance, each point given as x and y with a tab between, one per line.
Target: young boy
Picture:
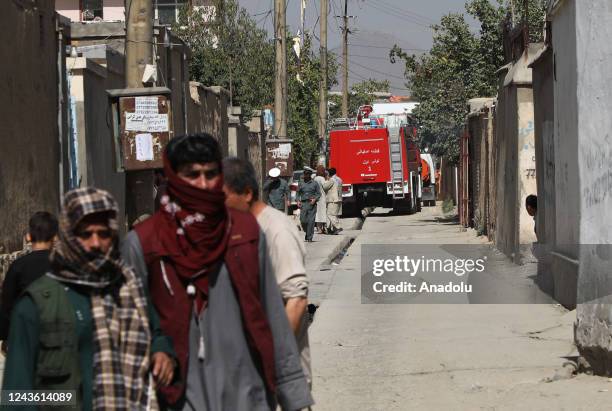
23	271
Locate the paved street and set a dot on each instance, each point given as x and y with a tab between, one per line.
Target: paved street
383	357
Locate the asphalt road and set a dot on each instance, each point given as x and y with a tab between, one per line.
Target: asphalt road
458	356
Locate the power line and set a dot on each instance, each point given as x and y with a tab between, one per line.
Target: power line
407	12
398	13
376	71
369	57
361	78
378	47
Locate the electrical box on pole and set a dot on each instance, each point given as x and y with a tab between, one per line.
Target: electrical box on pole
142	126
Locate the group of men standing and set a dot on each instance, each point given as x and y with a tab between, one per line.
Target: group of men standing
200	307
319	199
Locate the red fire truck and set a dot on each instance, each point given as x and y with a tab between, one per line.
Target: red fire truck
378	163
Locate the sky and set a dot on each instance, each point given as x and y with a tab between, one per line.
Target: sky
377	25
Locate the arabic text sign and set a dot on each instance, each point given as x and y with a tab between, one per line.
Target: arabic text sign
153	123
146	105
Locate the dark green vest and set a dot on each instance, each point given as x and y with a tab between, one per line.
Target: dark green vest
57	366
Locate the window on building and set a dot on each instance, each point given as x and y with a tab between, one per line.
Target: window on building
91	10
167	11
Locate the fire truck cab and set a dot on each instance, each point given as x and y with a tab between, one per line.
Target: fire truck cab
377	161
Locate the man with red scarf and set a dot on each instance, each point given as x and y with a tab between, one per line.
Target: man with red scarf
211	282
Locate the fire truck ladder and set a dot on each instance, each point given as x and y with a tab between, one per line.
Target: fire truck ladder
397	166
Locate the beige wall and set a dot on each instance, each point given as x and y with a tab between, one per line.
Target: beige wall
113	9
515	158
526	163
68	8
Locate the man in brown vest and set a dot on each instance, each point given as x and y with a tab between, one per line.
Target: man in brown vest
85	326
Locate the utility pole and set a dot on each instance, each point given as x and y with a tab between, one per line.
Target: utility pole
345	32
138	53
323	82
280	94
302	21
138	40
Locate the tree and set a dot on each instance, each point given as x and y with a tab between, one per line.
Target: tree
229	50
360	94
303	100
460	65
535	17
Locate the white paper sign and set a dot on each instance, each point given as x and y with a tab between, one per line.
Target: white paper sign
144	147
282	151
146	105
153	123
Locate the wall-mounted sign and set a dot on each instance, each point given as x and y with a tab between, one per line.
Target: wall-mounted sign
279	153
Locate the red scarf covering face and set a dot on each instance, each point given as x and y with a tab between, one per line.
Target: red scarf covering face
197	225
193	228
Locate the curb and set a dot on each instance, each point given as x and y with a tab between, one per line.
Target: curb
336	250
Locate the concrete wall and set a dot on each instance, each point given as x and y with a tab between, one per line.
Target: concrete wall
257	147
526	163
207	112
448	181
567	214
96	158
516	176
237	135
507	197
588	58
174	74
480	169
29	136
544	100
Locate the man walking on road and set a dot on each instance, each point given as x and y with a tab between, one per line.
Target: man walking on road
42	231
212	284
308	194
286	250
333	174
276	190
86	326
330	186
